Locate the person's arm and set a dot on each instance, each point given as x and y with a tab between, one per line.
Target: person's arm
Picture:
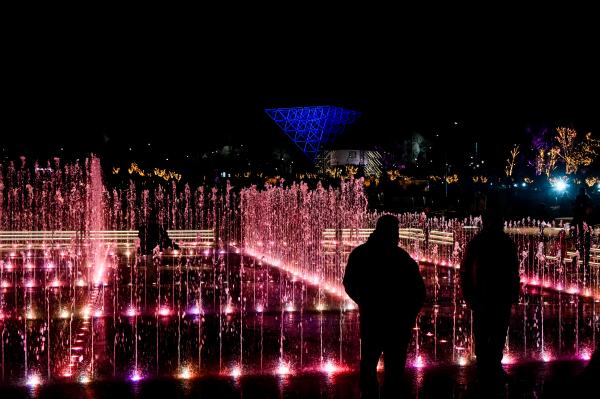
351	279
466	271
420	292
515	279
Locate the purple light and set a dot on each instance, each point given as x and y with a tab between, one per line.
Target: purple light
585	355
135	376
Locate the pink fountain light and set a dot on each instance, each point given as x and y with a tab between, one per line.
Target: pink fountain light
236	372
330	367
585	355
164	311
33	380
131	311
419	362
283	369
507	359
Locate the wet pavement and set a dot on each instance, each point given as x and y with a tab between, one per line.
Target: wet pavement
526	380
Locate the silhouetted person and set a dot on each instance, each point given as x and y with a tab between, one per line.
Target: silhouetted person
490	285
152	234
386	284
582	208
582	211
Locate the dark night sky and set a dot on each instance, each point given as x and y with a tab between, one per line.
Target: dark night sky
82	93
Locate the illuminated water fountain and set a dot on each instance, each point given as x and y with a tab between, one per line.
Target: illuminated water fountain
255	286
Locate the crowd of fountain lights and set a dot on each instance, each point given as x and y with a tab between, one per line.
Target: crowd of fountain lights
72	279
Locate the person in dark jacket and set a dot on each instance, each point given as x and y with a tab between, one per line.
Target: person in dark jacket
152	234
387	286
582	211
490	284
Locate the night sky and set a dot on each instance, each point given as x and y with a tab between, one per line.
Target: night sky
108	95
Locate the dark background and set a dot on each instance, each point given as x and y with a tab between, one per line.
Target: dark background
167	90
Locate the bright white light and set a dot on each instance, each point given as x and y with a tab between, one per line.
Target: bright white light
329	367
560	185
84	379
185	374
164	311
585	355
507	359
236	372
135	376
283	369
195	310
33	380
419	363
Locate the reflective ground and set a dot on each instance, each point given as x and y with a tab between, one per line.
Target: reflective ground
528	380
219	322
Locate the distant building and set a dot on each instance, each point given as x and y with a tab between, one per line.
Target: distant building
370	161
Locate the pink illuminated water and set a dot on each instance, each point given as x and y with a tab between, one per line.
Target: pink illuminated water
255	287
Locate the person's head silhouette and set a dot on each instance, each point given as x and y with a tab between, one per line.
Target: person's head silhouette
493	216
386	230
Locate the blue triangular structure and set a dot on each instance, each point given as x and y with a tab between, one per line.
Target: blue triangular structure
312	127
